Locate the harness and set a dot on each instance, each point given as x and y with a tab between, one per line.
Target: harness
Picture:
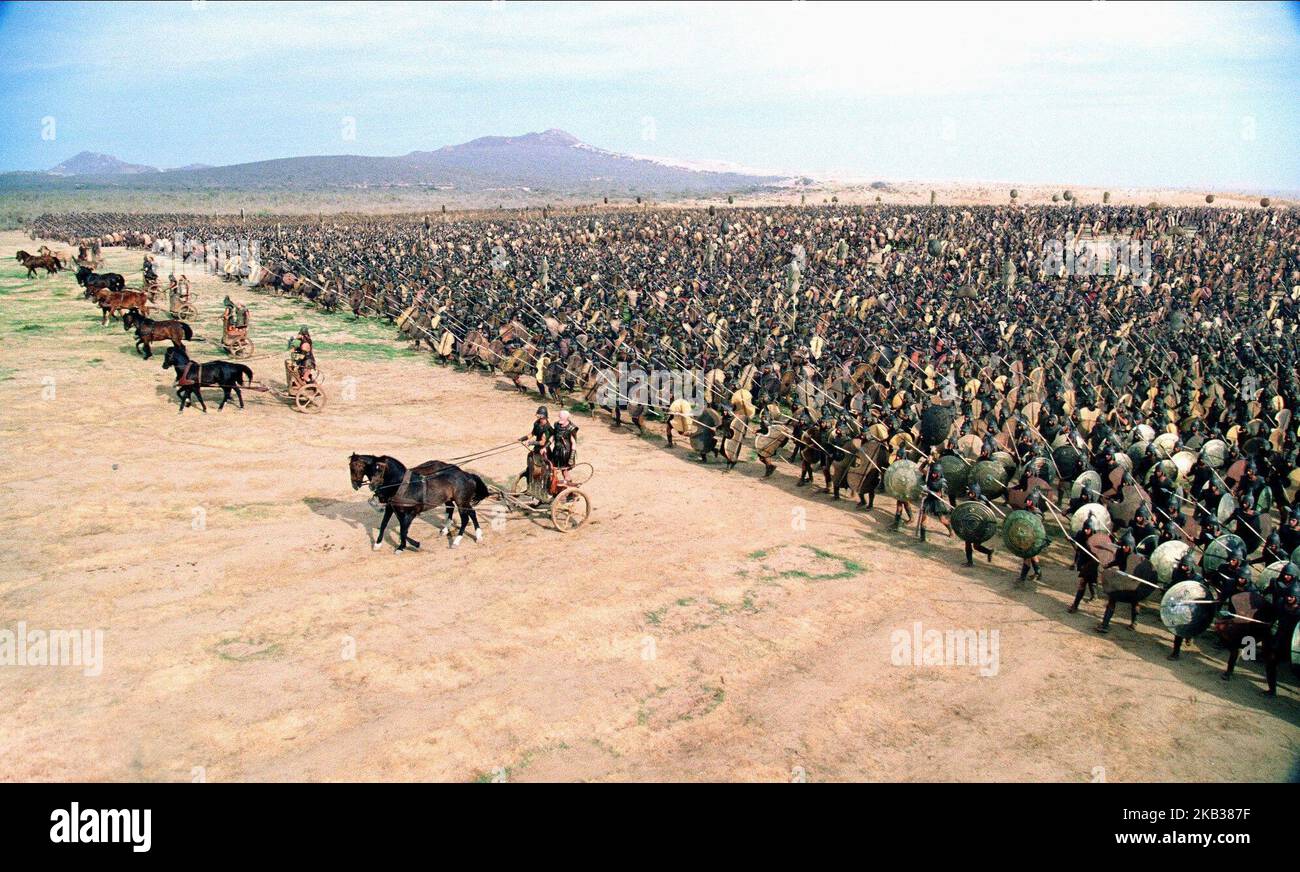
184	379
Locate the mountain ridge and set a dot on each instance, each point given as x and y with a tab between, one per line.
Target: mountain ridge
545	161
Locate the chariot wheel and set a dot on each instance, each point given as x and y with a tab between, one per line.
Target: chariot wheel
244	349
309	399
520	485
569	509
188	311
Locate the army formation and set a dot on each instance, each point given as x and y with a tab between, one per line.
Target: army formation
1138	409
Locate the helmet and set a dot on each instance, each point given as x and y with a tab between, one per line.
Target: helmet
541	410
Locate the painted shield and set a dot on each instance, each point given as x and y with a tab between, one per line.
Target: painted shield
1089	478
974	522
1096	511
991	476
1215	453
1024	534
735	440
1166	557
1218	550
1187	608
903	481
767	444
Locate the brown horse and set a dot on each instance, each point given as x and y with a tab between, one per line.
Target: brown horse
407	493
113	302
33	262
148	330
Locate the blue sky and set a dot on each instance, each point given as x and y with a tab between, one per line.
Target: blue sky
1196	95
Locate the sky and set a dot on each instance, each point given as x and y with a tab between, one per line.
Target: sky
1090	93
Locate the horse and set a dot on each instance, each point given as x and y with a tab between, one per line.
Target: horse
191	376
148	330
407	493
33	262
112	302
90	280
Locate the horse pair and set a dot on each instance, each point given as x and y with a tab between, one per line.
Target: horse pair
191	376
148	331
408	492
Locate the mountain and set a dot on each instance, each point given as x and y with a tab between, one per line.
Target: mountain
90	163
552	161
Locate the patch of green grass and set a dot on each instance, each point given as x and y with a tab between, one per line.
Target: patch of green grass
757	555
263	653
656	617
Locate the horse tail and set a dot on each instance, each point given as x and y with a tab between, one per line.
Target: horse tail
481	491
189	333
245	370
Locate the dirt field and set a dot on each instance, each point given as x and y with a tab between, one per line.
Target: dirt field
702	626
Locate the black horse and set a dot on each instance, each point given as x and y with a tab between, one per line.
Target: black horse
191	376
90	280
407	493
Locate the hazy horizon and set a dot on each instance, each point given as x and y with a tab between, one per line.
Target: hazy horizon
1128	95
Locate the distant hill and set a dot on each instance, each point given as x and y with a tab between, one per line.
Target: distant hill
90	163
552	161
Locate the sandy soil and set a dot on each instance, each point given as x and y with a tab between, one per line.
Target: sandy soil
702	625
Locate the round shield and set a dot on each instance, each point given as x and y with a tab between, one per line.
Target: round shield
991	476
1096	511
1137	451
1024	534
903	481
1236	619
1166	443
1069	462
1218	550
970	446
1102	547
1167	556
1264	502
1215	453
1008	462
1227	505
1123	460
1090	478
1295	556
1147	546
1143	433
1268	573
955	471
936	425
1167	465
1187	608
1184	460
974	522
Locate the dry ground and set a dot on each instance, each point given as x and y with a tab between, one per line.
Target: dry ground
703	625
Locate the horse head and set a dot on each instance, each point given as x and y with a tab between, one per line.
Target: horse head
361	467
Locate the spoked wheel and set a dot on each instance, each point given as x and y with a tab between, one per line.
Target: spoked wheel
188	311
569	509
244	350
309	399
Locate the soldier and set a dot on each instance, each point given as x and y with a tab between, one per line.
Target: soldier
1033	503
1186	570
1285	611
302	356
562	447
975	493
933	503
1124	549
1086	563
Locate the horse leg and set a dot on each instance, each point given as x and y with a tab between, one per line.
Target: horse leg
225	397
239	395
473	516
446	528
464	522
379	540
403	524
197	391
